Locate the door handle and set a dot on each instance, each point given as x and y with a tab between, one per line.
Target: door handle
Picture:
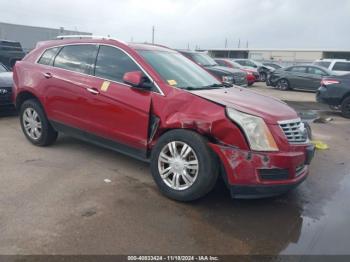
93	91
47	75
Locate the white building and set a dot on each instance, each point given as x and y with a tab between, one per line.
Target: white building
289	56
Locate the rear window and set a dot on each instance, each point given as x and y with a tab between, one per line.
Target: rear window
323	64
48	56
341	66
77	58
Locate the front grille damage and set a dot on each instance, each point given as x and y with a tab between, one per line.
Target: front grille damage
294	130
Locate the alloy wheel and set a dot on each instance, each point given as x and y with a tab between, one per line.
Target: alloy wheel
283	84
32	123
178	165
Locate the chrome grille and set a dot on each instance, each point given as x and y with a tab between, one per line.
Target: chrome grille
294	130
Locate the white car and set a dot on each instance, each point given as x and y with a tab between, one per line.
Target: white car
339	66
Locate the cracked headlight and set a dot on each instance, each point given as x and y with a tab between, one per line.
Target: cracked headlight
255	129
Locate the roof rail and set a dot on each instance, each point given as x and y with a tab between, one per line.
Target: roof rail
89	36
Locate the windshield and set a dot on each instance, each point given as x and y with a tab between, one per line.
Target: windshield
2	69
203	59
179	71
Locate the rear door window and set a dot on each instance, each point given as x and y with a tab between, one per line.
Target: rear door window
48	56
341	66
113	63
77	58
298	69
316	71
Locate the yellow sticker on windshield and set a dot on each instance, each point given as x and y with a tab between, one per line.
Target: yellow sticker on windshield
105	86
172	82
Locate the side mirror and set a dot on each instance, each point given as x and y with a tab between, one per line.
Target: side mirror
138	79
133	78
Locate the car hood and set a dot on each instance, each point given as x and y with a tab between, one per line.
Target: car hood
250	102
6	79
249	69
269	67
223	70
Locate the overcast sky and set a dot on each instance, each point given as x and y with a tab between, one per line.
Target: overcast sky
264	23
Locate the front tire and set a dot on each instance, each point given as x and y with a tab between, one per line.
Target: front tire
345	107
35	124
263	77
183	166
283	85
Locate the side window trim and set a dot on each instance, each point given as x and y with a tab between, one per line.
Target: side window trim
59	51
157	91
95	62
52	59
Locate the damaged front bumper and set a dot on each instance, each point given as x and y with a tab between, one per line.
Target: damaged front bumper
263	174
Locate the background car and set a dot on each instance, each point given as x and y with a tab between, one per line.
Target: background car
5	87
273	65
335	92
224	74
263	70
252	73
10	53
340	66
305	77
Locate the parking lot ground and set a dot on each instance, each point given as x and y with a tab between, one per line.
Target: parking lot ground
54	200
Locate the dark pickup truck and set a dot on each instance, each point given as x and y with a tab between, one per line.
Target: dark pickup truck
10	53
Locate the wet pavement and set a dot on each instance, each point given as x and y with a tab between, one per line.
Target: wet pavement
54	200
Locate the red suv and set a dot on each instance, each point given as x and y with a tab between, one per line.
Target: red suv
152	103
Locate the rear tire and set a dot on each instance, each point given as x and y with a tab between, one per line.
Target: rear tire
183	166
345	107
283	84
35	125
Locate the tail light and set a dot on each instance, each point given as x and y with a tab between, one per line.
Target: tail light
327	82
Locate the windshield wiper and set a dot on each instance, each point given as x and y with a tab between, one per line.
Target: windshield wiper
213	86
